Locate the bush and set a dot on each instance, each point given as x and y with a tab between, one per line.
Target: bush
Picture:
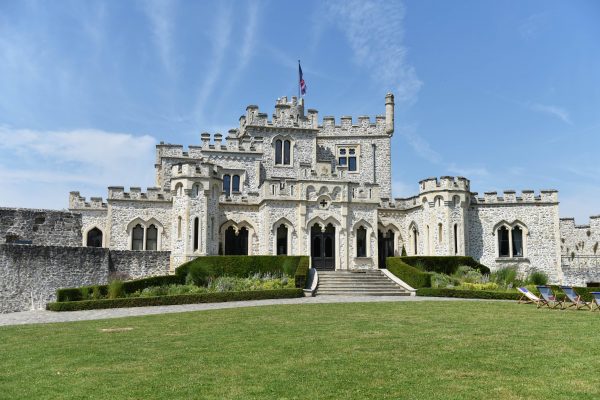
443	264
172	300
468	294
443	280
537	278
479	286
411	275
505	276
464	273
115	290
201	269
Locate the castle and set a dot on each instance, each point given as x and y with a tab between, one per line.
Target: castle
290	185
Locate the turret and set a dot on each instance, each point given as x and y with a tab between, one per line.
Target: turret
389	114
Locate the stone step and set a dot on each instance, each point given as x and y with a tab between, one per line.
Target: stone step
359	293
364	283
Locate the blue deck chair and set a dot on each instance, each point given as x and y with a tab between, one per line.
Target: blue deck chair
595	301
574	299
548	298
527	296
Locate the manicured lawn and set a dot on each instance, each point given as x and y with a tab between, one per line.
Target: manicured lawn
420	350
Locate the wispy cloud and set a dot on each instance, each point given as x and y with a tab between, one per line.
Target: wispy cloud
554	111
418	144
531	26
84	156
161	16
221	33
374	30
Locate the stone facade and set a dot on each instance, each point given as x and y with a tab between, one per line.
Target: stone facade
40	227
291	185
31	274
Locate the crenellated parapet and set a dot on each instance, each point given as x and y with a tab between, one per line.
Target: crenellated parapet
361	126
512	197
194	169
444	183
78	202
288	114
136	193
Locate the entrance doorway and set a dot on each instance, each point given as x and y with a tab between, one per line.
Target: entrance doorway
385	242
236	243
322	247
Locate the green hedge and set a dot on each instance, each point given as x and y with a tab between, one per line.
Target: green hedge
302	272
468	294
76	294
203	268
443	264
176	299
411	275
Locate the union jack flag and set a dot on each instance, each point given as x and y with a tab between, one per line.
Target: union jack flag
301	81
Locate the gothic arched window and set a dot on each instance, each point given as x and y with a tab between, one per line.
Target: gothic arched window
287	146
235	183
151	238
361	242
94	238
503	242
278	152
517	242
227	184
137	238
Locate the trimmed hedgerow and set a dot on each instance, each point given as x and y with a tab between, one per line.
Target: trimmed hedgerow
202	269
443	264
468	294
302	272
411	275
173	300
82	293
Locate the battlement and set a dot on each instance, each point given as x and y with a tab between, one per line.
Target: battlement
444	183
361	126
288	114
135	193
232	143
512	197
401	203
78	202
194	170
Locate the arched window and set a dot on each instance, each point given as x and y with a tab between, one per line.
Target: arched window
361	242
278	152
286	152
235	183
227	184
440	233
94	238
455	239
195	191
137	238
178	227
415	241
282	240
196	232
151	238
503	242
517	242
179	189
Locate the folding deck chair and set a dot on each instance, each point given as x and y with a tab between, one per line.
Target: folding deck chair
527	296
574	298
595	301
548	298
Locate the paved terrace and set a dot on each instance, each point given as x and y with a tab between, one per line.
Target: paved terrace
44	317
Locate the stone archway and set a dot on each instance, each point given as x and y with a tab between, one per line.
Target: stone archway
322	246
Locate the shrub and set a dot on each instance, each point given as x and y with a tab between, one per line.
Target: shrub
403	253
443	280
115	290
172	300
505	277
479	286
411	275
468	294
537	278
301	274
96	293
444	264
464	273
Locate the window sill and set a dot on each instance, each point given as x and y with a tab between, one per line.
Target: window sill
283	166
511	259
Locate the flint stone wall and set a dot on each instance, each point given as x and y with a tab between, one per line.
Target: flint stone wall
41	227
30	274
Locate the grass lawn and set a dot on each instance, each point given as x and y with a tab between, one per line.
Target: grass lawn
407	350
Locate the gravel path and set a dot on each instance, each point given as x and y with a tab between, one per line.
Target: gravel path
44	317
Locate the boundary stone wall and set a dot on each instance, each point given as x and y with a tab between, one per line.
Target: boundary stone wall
40	227
30	274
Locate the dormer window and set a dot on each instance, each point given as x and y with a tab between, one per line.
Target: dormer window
283	152
348	157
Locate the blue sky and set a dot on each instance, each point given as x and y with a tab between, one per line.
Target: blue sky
506	93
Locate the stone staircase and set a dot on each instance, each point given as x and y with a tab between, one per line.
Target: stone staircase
364	283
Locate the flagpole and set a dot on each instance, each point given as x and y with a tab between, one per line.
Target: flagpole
298	80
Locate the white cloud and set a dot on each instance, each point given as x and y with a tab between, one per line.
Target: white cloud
220	37
554	111
68	160
374	30
161	16
418	144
